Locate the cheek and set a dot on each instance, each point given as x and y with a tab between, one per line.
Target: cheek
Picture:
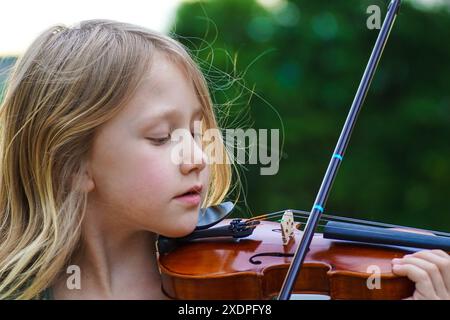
151	178
148	175
133	176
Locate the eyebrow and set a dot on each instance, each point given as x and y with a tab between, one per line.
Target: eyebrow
166	114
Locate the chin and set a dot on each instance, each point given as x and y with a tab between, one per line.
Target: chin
178	233
180	229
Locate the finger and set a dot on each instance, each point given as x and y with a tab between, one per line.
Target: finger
424	286
441	253
441	260
431	269
418	296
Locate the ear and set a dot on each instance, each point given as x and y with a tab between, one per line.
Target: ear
87	183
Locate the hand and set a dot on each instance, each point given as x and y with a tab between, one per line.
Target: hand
430	270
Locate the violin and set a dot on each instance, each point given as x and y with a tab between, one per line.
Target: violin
259	259
253	266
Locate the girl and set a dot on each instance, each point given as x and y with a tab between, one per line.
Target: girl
88	176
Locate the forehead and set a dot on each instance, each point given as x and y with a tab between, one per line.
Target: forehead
165	87
166	76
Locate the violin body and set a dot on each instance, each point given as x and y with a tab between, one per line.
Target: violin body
255	268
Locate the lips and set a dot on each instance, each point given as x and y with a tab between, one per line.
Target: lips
197	189
192	197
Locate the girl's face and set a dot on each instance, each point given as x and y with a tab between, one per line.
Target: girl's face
135	178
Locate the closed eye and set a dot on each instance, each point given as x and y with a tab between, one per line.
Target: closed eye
159	141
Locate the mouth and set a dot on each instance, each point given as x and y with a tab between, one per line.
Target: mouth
191	197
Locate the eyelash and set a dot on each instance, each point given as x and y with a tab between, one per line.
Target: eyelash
162	141
159	141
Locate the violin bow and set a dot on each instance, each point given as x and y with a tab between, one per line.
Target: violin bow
338	154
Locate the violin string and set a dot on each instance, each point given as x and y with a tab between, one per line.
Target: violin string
302	223
351	220
304	215
384	225
319	225
438	233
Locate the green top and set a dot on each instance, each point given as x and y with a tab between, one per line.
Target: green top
47	294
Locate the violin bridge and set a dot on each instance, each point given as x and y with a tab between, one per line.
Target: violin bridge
287	226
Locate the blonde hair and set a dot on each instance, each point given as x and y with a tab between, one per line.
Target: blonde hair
70	81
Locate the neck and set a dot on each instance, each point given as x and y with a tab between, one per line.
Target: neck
116	261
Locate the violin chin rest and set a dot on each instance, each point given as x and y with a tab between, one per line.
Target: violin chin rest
211	216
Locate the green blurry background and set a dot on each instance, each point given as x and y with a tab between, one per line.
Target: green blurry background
306	58
296	67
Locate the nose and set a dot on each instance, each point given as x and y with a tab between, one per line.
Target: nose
194	159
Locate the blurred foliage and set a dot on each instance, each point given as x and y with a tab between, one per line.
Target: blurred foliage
296	67
304	59
6	63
